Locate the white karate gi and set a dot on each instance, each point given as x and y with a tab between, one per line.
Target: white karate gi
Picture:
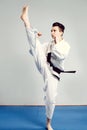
39	52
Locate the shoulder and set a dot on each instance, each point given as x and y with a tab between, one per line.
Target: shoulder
66	44
45	44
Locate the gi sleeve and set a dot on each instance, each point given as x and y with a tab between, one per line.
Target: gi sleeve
45	47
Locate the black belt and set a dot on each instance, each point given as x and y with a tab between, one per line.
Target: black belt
62	71
55	68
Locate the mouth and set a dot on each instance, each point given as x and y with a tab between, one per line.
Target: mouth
53	37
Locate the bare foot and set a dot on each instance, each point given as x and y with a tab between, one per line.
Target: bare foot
24	16
49	127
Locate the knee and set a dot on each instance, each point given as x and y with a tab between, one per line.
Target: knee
51	99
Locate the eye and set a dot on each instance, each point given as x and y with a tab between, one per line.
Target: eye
54	30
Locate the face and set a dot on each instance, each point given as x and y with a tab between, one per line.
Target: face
56	33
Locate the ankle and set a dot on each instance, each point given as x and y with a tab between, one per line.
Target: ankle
48	122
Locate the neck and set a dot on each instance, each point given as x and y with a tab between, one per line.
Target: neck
57	40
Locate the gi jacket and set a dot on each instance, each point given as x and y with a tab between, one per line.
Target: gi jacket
58	53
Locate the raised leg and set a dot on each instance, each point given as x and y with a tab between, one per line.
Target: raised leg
40	59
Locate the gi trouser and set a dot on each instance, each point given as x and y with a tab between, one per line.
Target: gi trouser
50	87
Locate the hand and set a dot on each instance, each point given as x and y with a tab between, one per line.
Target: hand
39	34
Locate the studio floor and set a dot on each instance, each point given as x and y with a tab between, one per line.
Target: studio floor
33	118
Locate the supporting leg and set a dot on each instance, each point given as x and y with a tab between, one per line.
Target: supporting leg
50	99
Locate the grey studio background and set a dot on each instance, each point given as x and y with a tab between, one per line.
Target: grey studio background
20	82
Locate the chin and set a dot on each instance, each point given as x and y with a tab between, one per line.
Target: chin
54	38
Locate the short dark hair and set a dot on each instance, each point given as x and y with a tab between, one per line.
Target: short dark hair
61	26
